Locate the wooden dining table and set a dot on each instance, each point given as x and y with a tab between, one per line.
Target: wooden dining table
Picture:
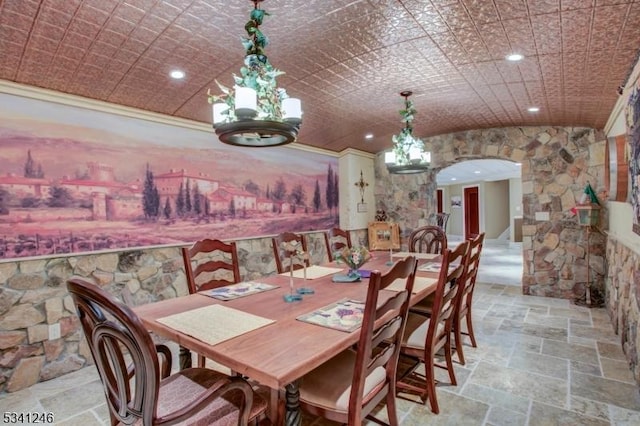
279	354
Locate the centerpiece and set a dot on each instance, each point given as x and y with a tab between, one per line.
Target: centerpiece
354	258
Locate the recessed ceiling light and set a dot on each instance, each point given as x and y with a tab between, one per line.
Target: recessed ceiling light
518	164
533	109
177	74
477	172
514	57
454	178
368	136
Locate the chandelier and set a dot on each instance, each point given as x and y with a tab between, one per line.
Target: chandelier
408	155
255	112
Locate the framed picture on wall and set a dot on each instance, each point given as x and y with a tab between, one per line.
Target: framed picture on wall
456	201
384	236
633	123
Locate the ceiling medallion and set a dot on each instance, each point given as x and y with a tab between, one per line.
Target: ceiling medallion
408	155
255	112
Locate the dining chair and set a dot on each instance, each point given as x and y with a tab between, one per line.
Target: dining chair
348	387
283	257
336	239
145	392
466	300
216	264
441	220
428	239
424	336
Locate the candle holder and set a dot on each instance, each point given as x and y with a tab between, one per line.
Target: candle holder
390	261
292	248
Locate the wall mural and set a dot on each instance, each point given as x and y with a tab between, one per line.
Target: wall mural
633	123
77	180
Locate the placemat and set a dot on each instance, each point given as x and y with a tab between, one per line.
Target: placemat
214	324
343	315
235	291
419	284
416	255
314	271
433	267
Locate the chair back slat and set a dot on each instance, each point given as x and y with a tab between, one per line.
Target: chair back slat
428	239
115	334
216	264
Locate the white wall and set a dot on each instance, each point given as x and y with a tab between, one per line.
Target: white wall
515	203
350	164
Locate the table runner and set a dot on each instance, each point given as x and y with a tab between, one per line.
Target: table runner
419	284
343	315
433	267
314	271
235	291
214	324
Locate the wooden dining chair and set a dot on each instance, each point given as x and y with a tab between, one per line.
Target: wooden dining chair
216	264
144	392
284	257
336	239
428	239
349	386
424	336
466	300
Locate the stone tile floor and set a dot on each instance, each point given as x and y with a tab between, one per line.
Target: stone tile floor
539	361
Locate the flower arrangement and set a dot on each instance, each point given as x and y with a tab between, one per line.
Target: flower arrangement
353	257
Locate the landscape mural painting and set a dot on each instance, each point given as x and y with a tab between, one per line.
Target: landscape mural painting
77	180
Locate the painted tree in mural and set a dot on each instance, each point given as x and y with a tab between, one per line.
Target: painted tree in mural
59	197
180	201
280	191
150	196
187	197
331	191
252	187
298	197
31	170
316	198
197	202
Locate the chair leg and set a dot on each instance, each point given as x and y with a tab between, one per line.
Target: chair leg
449	361
392	412
458	339
430	387
470	329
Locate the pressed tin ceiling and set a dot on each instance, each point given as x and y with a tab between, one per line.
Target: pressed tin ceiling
347	60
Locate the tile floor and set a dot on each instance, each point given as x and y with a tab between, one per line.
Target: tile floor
539	361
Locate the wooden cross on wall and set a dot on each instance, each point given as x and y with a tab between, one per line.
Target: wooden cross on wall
361	184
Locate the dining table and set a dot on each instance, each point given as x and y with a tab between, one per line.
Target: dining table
281	348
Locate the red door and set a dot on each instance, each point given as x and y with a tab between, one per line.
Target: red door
471	212
439	200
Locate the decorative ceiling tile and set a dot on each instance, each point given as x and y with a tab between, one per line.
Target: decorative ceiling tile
347	61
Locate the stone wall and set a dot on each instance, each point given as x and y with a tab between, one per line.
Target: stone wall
557	163
623	299
40	336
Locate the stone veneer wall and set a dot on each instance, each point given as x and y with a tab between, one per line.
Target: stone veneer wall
34	299
556	162
623	299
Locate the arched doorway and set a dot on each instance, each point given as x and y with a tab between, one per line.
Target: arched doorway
485	195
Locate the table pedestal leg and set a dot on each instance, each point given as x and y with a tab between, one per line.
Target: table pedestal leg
293	415
185	358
